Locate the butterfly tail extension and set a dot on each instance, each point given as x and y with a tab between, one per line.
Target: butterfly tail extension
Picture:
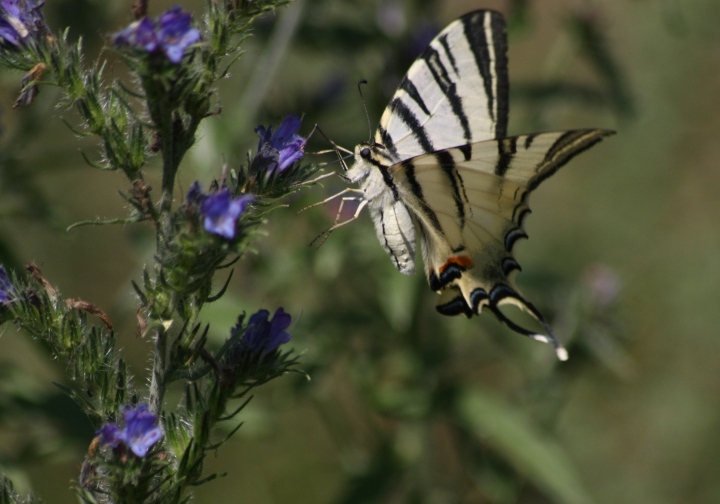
468	298
512	297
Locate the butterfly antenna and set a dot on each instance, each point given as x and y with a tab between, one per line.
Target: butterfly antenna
367	115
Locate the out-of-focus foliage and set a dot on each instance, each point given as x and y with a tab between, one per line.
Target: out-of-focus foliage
405	405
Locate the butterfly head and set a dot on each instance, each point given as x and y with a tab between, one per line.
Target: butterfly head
364	151
370	152
368	156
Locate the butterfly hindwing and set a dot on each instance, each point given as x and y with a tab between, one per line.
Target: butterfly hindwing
471	212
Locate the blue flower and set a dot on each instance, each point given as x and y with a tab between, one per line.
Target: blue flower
195	195
110	434
20	19
221	211
279	150
264	336
171	34
7	292
139	433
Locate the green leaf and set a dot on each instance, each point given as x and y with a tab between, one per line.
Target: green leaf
103	222
530	451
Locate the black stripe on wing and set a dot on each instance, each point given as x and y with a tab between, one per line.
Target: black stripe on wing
567	146
416	188
409	87
387	142
507	148
448	87
444	42
488	43
447	164
529	140
402	111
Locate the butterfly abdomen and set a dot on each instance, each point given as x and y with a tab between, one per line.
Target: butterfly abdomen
391	218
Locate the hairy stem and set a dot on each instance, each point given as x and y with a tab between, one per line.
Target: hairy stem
157	380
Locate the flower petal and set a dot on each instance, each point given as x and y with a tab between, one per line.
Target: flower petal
110	434
20	20
7	291
141	444
287	129
172	34
279	150
141	429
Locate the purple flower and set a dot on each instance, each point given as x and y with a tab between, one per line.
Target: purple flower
195	195
111	434
20	19
139	433
602	284
264	336
171	34
221	211
7	292
279	150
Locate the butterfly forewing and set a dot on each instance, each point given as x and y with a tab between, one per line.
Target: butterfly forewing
454	93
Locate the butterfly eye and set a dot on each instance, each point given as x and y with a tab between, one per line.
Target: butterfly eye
365	153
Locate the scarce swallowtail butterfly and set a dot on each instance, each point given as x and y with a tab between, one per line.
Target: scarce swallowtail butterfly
442	167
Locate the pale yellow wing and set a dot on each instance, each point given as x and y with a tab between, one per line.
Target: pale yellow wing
470	208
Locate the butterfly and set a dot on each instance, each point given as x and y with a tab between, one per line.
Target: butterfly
442	171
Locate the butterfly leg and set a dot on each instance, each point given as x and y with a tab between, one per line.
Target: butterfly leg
341	160
326	234
315	181
327	200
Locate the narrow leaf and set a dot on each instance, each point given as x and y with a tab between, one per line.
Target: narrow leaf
535	455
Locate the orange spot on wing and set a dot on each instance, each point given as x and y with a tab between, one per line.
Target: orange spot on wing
464	262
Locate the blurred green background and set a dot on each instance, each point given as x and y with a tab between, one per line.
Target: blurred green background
405	405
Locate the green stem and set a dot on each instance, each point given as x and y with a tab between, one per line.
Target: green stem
157	380
163	117
170	164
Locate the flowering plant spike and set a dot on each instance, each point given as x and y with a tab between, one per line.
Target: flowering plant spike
20	20
140	430
221	212
277	151
7	293
149	447
171	35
